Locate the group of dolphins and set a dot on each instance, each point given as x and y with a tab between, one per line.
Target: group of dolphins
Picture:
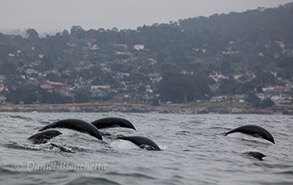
46	133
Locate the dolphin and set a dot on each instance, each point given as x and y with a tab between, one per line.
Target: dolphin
253	130
44	137
256	155
112	122
77	125
140	141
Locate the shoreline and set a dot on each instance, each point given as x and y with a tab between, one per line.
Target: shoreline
188	108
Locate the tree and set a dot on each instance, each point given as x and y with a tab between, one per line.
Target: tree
77	31
244	88
253	99
228	86
257	102
180	88
119	67
32	34
53	98
267	103
23	94
264	78
7	68
54	77
226	66
137	78
46	64
82	96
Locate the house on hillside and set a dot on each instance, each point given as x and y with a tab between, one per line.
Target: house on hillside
54	86
138	47
94	87
2	87
217	76
31	71
118	99
278	99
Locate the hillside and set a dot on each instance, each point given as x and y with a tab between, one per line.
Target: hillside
229	57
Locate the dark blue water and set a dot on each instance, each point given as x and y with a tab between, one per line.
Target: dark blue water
195	151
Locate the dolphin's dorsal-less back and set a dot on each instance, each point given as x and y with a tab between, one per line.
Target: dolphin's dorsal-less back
141	142
44	137
77	125
253	130
256	155
112	122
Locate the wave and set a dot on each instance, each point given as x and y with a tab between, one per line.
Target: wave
134	175
20	146
184	132
21	117
92	180
286	172
7	170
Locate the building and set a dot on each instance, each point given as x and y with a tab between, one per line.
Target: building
53	86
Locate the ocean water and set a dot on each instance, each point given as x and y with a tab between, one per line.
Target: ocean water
195	151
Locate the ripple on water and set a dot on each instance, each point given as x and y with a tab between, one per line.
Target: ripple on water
131	175
84	180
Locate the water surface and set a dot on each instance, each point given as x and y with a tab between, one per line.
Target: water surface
195	151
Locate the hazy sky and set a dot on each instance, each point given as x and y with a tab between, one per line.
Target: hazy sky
57	15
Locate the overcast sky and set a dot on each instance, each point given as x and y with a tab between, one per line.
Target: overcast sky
57	15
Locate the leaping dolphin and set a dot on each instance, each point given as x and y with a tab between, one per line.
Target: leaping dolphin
77	125
44	137
253	130
112	122
141	142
